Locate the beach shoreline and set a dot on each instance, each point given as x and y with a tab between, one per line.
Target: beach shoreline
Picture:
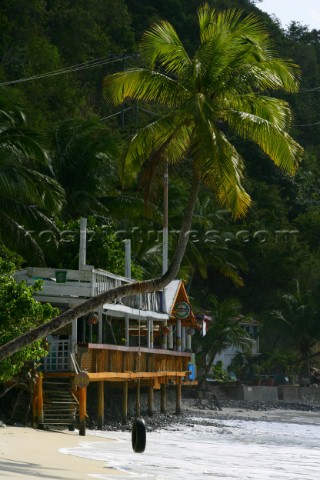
30	453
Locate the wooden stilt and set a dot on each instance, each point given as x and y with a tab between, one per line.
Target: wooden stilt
39	407
163	403
138	398
150	401
178	397
100	405
82	410
125	403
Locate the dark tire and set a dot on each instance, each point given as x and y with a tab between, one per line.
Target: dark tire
138	435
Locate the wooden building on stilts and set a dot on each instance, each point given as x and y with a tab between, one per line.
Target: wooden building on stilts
139	341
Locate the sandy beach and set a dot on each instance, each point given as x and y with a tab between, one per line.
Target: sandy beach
27	453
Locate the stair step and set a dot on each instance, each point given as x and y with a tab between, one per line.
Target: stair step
60	404
21	408
71	402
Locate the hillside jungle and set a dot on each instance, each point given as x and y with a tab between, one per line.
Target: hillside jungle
54	55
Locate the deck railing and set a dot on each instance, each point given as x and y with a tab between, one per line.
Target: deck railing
95	358
86	283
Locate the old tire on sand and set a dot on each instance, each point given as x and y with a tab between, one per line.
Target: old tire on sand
138	435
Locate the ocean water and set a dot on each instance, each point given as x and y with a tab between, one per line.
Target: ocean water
210	449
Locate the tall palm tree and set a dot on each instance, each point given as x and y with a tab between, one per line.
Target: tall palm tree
224	331
28	197
221	91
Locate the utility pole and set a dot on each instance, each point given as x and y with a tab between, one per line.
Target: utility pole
165	242
165	219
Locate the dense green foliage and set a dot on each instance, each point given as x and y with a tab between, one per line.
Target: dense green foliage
19	313
265	253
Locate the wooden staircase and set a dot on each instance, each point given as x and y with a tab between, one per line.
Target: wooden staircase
21	408
60	406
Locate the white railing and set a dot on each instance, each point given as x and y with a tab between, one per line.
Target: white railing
104	281
85	283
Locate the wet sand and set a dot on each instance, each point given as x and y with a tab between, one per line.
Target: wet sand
30	454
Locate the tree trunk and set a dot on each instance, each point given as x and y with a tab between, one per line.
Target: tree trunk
201	380
135	288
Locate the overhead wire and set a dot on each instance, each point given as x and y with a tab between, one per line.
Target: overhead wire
100	61
307	124
97	62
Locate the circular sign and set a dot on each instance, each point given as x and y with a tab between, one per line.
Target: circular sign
81	380
182	310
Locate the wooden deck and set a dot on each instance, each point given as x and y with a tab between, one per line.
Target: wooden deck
118	363
129	367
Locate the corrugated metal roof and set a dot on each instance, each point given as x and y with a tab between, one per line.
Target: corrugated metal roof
171	292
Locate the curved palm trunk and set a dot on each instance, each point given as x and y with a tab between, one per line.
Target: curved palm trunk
135	288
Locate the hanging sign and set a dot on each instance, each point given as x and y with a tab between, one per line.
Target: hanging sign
81	380
182	310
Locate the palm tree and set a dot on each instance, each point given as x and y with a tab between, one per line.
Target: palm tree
84	161
28	197
221	91
297	317
224	331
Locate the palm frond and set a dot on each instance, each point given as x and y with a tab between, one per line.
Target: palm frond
143	84
166	138
160	46
283	150
221	170
17	238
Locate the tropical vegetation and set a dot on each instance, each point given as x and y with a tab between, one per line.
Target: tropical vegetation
20	313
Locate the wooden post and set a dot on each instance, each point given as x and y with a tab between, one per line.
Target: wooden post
183	339
82	410
170	338
163	403
178	396
100	405
126	318
100	325
83	243
178	335
150	333
74	340
164	337
34	407
188	342
138	398
125	403
150	400
39	410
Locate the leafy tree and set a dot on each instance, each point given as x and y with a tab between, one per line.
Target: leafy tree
221	89
20	313
26	50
